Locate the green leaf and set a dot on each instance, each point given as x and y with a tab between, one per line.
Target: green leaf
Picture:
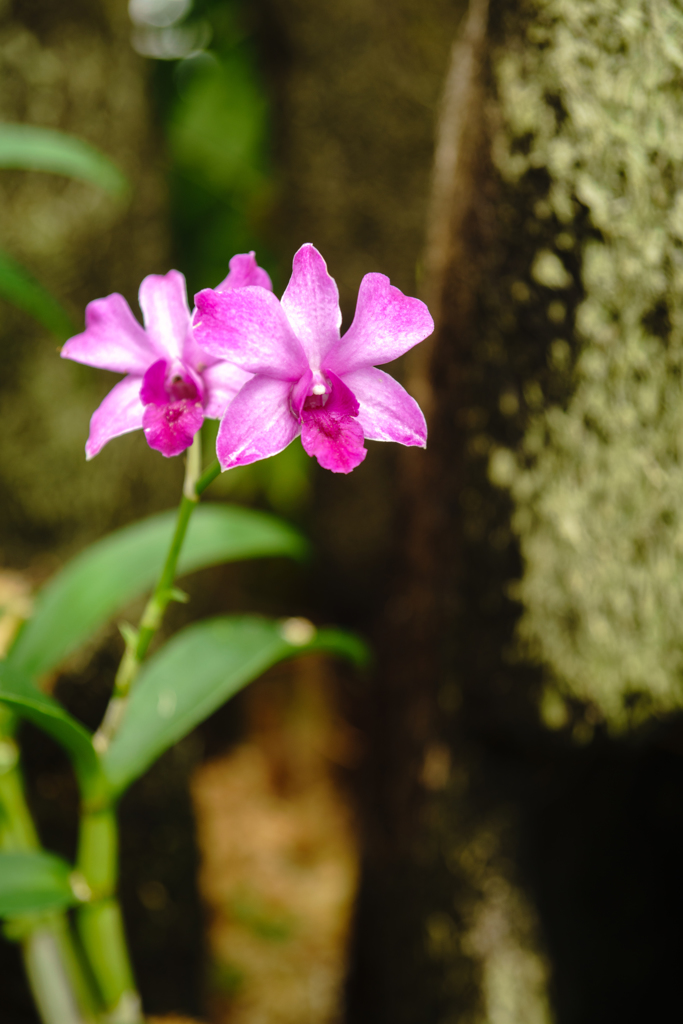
22	290
109	574
196	672
18	691
30	148
34	882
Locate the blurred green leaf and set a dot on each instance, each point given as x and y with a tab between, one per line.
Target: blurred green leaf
218	119
18	691
34	882
197	671
218	126
283	479
22	290
30	148
109	574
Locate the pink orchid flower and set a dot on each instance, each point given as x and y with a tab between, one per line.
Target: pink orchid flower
307	379
171	383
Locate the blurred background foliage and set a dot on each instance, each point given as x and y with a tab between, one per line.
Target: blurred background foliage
195	199
79	242
217	114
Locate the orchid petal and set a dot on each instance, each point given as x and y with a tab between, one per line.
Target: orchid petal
165	383
335	439
194	356
163	301
387	411
244	270
170	428
300	393
258	423
153	390
222	382
342	400
311	302
119	413
387	323
248	327
112	339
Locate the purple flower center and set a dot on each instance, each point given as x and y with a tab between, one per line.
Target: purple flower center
178	389
330	430
172	396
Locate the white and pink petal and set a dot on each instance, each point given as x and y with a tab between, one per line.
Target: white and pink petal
258	423
387	412
163	301
222	382
311	302
113	339
387	324
244	270
248	327
119	413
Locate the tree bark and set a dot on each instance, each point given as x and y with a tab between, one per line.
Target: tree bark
495	861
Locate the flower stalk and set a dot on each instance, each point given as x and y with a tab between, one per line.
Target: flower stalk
100	923
138	641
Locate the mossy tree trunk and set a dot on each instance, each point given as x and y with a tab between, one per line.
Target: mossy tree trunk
502	823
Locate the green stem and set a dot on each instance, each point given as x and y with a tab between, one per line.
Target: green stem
17	831
207	477
55	974
163	592
100	923
138	641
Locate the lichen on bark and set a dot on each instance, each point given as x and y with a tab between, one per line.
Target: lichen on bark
591	97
